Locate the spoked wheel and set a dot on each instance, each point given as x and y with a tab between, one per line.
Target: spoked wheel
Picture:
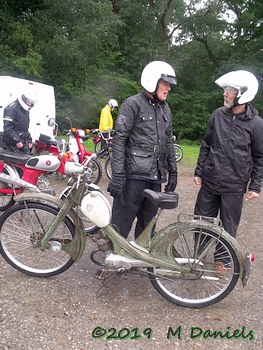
97	147
178	152
6	200
95	171
21	230
107	166
90	227
204	284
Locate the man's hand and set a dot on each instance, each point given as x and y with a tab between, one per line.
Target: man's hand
197	180
252	195
172	182
116	184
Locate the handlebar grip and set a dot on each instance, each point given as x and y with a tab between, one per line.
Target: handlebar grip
87	177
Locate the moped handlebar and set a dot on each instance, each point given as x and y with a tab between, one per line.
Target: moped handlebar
72	168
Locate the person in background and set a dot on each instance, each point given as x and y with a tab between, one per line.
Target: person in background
16	122
142	150
106	120
230	161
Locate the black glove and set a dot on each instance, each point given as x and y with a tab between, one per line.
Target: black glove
172	182
116	184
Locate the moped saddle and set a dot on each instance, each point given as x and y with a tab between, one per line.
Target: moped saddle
163	200
47	140
12	157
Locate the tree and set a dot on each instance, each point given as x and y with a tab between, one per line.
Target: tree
17	54
94	50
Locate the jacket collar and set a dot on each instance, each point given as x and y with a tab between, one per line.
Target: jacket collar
248	114
152	100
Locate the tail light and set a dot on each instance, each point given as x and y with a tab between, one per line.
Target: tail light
252	257
249	259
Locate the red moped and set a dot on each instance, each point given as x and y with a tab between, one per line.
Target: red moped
23	172
72	150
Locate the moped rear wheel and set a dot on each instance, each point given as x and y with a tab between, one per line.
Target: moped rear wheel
204	284
21	230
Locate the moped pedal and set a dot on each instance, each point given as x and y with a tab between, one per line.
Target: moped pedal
102	274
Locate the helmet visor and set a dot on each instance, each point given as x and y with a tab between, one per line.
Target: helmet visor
30	103
169	78
230	90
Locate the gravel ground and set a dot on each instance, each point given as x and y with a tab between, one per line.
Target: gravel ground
63	312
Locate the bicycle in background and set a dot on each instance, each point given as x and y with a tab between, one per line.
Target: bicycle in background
103	148
178	150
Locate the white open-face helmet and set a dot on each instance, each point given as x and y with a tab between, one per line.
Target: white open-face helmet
27	98
155	71
245	82
113	103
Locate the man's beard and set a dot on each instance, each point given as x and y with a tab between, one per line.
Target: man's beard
229	104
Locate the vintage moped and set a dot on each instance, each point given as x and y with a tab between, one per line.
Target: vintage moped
43	236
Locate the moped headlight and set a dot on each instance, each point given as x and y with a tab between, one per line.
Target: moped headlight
96	208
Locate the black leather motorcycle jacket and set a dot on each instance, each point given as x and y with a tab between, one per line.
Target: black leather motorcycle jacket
16	124
143	142
231	154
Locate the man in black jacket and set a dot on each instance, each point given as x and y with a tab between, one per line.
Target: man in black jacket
231	155
16	123
143	151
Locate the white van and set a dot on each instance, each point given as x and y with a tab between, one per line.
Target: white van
41	115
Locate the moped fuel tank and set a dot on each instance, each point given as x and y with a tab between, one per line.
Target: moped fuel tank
46	162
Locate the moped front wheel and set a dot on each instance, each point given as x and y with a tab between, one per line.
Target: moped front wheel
22	227
212	270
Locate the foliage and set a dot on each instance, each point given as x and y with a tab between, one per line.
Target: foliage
192	111
91	51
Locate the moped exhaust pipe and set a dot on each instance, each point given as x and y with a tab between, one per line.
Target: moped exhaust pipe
17	182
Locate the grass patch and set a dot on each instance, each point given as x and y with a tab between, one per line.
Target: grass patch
89	145
190	153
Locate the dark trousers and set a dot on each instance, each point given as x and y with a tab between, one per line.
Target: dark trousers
228	205
24	150
131	204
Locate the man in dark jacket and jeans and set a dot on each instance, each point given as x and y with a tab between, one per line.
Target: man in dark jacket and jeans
231	155
143	151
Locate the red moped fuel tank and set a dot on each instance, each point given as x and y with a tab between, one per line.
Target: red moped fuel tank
46	162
